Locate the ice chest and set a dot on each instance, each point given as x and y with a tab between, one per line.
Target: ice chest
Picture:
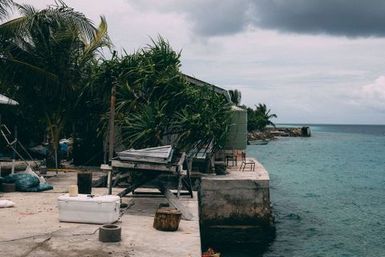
86	209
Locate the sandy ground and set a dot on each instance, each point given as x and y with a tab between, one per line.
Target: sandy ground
32	228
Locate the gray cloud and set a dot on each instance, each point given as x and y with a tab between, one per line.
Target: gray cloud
219	17
352	18
208	17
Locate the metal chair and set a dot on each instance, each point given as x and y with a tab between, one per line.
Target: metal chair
246	162
232	157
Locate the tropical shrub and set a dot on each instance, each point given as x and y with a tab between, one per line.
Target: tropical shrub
156	105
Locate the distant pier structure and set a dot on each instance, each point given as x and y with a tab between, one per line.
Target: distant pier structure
306	131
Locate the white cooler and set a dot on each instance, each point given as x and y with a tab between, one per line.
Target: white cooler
85	209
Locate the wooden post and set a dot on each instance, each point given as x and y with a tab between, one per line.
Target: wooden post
175	202
111	138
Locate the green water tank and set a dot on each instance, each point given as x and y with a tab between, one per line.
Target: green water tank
237	136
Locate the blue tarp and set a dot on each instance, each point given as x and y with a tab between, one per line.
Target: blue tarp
27	183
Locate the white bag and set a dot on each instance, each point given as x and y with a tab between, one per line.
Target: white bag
28	170
6	204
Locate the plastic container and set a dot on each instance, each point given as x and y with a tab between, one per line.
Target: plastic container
86	209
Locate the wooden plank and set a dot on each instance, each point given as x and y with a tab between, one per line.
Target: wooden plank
143	166
157	151
164	156
187	184
158	148
144	154
174	201
140	181
182	158
143	159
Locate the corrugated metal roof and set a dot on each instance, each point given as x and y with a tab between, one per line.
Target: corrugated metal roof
202	83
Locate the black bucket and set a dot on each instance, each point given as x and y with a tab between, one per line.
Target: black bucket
85	182
110	233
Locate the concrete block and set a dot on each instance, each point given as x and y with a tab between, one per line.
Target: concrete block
236	198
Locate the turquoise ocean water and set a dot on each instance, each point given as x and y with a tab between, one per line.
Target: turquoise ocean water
327	191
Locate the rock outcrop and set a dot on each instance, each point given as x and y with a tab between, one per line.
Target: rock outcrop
272	133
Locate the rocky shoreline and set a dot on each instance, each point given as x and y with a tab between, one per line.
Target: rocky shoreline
272	133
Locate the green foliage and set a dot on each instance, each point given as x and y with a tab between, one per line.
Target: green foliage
206	117
44	59
156	105
259	118
49	64
145	127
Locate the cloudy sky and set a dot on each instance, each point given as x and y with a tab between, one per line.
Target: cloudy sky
310	61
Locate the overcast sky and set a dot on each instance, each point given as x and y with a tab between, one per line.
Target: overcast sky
310	61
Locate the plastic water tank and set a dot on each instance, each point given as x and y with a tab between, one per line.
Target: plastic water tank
237	136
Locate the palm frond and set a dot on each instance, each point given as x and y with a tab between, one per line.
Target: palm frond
26	10
5	6
27	67
68	15
99	40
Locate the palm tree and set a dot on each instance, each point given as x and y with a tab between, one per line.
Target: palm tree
235	96
5	5
44	54
263	116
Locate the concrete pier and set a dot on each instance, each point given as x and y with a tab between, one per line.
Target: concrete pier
32	228
236	207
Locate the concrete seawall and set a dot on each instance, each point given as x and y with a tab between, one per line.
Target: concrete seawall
235	208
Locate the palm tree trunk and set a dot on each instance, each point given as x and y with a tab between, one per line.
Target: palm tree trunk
54	127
